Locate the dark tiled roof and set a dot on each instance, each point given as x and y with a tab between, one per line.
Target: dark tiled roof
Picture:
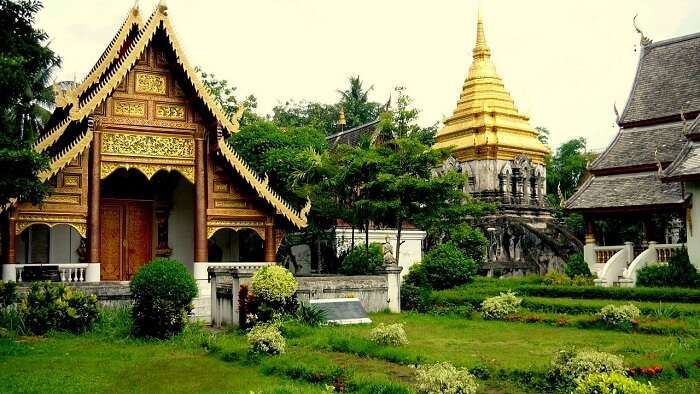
353	136
687	165
643	189
636	146
667	80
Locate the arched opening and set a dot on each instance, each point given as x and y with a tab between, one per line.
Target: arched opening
244	245
41	244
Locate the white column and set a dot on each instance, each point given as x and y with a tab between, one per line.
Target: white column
393	281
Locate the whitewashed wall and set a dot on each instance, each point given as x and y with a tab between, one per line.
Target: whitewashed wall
411	249
181	224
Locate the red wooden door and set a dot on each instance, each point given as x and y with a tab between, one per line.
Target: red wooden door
126	235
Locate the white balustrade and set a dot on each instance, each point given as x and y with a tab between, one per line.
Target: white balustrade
68	272
655	253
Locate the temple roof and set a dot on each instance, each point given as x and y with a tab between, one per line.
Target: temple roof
667	80
639	146
486	115
67	133
686	166
616	192
353	136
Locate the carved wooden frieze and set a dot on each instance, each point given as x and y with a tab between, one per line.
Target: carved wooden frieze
129	108
73	199
170	111
71	180
147	145
24	221
149	170
230	204
150	83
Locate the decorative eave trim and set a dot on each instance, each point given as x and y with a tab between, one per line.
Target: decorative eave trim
66	156
51	136
299	219
133	18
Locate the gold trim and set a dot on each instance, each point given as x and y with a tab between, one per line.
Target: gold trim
230	204
235	225
147	145
67	155
170	111
63	199
150	83
71	180
149	170
25	221
132	108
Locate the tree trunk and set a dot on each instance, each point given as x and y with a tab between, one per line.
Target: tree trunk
352	238
367	238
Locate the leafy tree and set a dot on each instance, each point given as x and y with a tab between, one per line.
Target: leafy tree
224	95
26	64
543	135
303	113
566	168
355	102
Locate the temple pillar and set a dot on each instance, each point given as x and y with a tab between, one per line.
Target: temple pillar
589	248
9	269
646	232
200	203
270	253
92	274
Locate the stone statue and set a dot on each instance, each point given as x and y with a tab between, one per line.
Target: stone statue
388	252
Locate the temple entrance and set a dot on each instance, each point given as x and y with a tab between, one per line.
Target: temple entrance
126	235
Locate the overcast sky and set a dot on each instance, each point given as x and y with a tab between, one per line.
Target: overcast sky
565	62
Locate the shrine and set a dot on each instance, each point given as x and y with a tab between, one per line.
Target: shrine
140	167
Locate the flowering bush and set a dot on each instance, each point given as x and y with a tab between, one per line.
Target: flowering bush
646	371
274	284
569	365
444	378
50	306
556	279
266	338
621	315
391	334
498	307
611	383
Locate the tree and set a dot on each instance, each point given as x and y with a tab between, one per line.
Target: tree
303	113
224	95
543	135
26	65
355	102
566	168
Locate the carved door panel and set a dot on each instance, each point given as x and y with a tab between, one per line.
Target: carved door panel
126	235
139	235
111	230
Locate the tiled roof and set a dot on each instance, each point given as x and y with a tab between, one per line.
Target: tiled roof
686	166
637	145
643	189
353	136
667	80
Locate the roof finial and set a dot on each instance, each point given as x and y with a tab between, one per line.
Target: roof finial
341	119
644	40
481	49
162	7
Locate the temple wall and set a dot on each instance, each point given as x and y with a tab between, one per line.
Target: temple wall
180	224
411	249
693	232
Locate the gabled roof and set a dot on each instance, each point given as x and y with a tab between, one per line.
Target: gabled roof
686	166
638	146
353	136
667	80
104	79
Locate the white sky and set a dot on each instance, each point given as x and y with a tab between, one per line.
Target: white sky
565	62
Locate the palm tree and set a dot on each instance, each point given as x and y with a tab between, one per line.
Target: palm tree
355	102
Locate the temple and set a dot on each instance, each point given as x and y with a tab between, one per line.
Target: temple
498	150
648	174
140	168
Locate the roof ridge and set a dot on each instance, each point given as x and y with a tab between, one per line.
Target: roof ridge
673	40
352	129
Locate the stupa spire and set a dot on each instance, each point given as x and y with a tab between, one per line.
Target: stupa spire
481	49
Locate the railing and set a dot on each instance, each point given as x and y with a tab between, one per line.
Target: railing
655	253
616	264
605	253
67	272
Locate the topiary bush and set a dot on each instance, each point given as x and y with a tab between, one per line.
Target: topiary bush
444	378
444	267
266	338
389	334
498	307
611	383
575	266
51	306
362	260
163	291
569	365
274	284
619	315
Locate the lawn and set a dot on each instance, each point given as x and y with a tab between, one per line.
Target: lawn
506	356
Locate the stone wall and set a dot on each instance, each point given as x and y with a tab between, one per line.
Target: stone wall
109	294
371	290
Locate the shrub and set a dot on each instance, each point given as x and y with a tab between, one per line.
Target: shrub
444	378
390	334
414	298
274	284
50	306
362	260
582	281
470	240
498	307
8	293
163	291
611	383
556	279
653	276
416	276
445	267
679	272
619	315
569	365
575	266
266	338
310	315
